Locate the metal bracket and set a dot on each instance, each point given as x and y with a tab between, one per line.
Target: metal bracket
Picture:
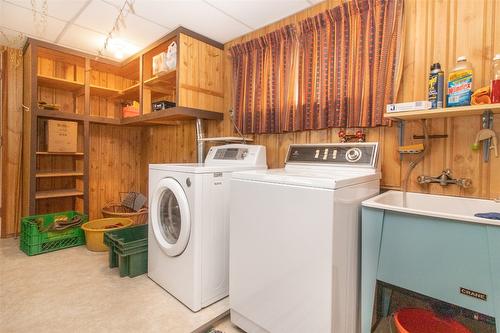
487	122
401	134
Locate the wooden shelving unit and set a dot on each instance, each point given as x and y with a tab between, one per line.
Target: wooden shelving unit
459	111
93	91
57	83
58	194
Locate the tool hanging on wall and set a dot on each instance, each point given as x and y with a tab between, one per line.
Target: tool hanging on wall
487	135
490	142
359	136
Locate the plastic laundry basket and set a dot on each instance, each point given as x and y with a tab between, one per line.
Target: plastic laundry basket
94	231
425	321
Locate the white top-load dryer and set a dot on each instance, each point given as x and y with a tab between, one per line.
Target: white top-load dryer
188	245
294	240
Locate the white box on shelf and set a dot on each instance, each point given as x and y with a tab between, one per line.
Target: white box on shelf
409	106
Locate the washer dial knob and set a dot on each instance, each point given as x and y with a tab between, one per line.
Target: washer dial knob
353	155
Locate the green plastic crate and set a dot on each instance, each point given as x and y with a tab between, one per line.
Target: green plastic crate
128	250
133	264
128	238
33	241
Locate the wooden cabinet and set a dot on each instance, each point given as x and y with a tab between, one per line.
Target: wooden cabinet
87	90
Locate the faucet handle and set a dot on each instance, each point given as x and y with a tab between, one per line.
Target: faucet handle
423	179
447	172
464	182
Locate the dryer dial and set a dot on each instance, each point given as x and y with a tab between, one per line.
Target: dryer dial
353	155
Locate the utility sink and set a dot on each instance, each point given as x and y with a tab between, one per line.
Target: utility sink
434	247
441	206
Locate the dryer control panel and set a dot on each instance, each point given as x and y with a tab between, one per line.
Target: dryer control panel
342	154
237	154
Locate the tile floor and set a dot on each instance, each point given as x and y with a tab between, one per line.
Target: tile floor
73	290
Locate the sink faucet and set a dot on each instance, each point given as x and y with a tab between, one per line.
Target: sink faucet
445	179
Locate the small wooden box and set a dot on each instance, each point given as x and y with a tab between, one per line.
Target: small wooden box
62	136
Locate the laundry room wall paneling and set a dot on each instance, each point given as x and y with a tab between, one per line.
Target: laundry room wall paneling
435	31
11	132
115	164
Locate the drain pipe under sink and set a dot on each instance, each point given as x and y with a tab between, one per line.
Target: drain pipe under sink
414	163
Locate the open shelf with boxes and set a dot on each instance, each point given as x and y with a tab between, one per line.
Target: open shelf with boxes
107	83
59	169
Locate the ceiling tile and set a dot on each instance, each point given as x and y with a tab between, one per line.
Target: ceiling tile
21	19
192	14
82	39
258	13
98	16
140	31
61	9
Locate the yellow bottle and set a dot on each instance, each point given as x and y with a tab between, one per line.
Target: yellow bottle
460	81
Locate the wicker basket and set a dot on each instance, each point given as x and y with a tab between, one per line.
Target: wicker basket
114	209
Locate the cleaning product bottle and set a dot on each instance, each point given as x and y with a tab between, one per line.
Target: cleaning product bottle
436	86
460	83
495	80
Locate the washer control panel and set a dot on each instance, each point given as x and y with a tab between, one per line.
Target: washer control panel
237	154
355	154
230	154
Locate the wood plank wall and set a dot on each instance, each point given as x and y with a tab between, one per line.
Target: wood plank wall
435	31
167	144
11	141
115	164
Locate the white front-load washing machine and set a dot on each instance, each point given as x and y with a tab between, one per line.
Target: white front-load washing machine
294	240
188	245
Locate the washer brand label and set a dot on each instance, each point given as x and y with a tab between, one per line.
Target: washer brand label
473	293
217	174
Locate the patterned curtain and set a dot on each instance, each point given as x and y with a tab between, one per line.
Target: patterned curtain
265	81
349	64
339	70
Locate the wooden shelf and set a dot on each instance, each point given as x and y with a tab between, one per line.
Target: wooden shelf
172	114
58	154
131	92
51	174
103	91
76	117
57	83
459	111
60	115
57	194
163	83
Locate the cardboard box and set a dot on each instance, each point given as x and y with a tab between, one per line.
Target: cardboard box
62	136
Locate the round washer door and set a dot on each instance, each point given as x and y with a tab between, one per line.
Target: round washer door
170	217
